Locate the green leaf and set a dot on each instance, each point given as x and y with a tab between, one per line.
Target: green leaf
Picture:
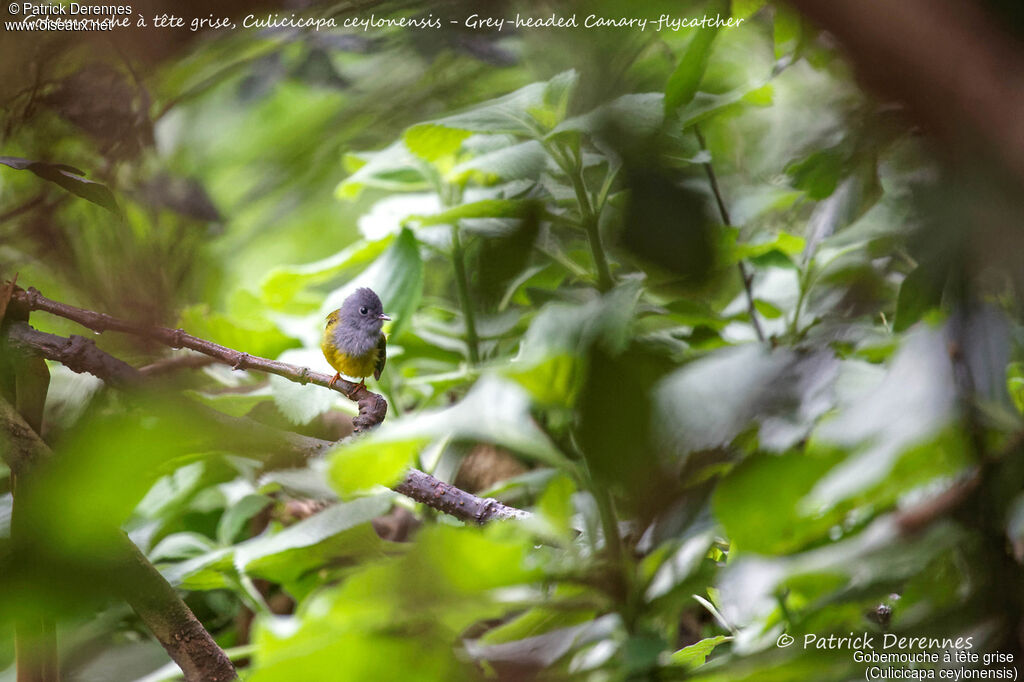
1015	384
739	505
704	105
237	515
819	174
696	654
788	31
742	9
555	505
684	81
394	169
494	411
920	291
68	177
534	622
283	285
920	389
434	142
711	401
550	361
525	160
249	332
486	208
639	114
782	242
341	532
365	463
181	546
527	112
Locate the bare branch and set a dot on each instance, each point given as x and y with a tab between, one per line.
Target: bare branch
246	434
445	497
77	353
372	407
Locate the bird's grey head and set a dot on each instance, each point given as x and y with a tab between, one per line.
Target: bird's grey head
363	311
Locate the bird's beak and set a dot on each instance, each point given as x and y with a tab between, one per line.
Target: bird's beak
382	316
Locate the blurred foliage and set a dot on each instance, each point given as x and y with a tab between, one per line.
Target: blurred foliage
555	226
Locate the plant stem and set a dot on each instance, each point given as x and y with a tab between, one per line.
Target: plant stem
746	276
573	168
462	284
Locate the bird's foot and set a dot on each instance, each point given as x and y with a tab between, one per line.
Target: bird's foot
334	379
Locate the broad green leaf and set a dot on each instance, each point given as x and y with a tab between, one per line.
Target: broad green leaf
527	112
290	556
676	568
181	546
739	505
555	505
549	362
788	31
434	142
494	411
540	651
750	585
535	622
67	177
819	174
684	81
243	329
709	402
742	9
235	404
783	242
394	169
696	654
920	291
284	284
338	533
441	586
704	105
525	160
365	463
486	208
237	515
919	388
640	114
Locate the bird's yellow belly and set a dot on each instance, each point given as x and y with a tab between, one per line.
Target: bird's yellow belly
350	365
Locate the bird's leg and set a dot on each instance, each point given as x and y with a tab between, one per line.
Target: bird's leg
334	379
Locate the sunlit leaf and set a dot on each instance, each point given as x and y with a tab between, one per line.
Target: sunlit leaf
693	656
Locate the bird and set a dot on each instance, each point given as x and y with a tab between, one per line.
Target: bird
354	342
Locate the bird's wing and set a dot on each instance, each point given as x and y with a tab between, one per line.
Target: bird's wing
382	357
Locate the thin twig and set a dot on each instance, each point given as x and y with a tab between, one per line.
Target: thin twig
746	276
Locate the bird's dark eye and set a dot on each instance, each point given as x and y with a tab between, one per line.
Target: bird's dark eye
362	311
